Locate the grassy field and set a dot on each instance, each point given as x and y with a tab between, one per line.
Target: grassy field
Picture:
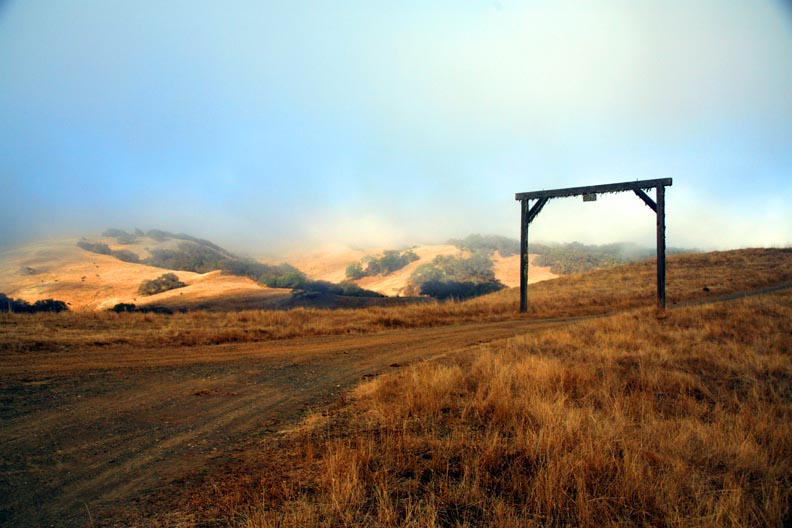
635	418
677	419
600	292
630	420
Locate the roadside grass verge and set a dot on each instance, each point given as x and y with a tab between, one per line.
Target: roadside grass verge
684	420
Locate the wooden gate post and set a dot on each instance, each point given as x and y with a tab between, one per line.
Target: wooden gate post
524	256
527	215
661	248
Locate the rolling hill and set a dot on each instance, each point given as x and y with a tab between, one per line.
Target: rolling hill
58	269
102	271
329	263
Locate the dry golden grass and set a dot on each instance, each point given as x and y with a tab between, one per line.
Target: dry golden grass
626	420
599	292
684	420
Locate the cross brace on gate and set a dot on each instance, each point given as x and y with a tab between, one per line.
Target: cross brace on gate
529	213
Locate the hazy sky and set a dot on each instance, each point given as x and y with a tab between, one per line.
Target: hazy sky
255	123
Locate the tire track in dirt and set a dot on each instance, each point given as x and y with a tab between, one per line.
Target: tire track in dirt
97	430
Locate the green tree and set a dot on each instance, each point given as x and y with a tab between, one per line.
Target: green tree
355	271
163	283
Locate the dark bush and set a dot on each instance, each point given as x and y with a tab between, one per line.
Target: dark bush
121	236
575	257
125	255
163	283
455	277
158	235
131	308
351	289
50	305
355	271
161	236
294	279
94	247
188	257
8	304
126	238
488	244
459	290
345	288
391	260
155	309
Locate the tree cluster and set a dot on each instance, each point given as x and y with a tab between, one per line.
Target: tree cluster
94	247
163	283
575	257
347	289
391	260
455	277
459	290
188	256
7	304
103	249
487	244
131	308
121	236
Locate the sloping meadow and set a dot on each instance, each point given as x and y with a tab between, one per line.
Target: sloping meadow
681	420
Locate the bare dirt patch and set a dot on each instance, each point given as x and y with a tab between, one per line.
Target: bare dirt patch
99	434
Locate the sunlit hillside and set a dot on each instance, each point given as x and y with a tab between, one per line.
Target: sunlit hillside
330	262
58	269
87	280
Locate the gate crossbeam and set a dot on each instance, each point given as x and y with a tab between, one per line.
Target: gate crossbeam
529	213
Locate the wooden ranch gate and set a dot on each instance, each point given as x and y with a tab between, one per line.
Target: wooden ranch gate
529	213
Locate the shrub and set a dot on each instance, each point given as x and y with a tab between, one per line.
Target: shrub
126	238
575	257
187	257
163	283
131	308
455	277
158	235
7	304
125	255
345	288
155	309
49	305
391	260
355	271
488	244
94	247
459	290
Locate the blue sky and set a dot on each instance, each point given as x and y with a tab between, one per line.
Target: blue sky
261	124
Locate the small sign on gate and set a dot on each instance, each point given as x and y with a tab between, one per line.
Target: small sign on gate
590	197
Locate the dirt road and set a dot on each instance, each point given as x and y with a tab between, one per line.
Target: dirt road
88	433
